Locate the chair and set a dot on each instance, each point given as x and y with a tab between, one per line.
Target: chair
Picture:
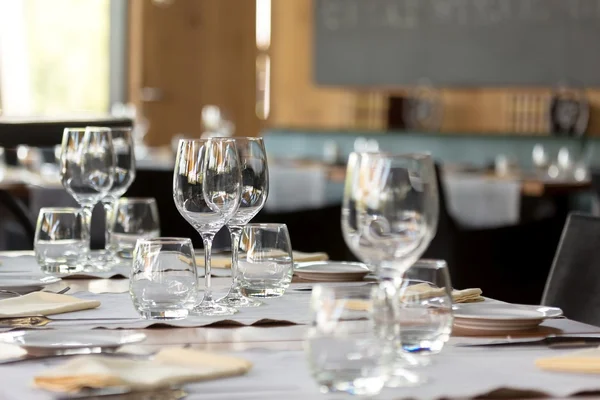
574	280
16	229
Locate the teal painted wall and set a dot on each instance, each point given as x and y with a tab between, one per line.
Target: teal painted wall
474	149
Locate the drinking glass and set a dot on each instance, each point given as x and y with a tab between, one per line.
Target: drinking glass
207	192
132	219
60	240
255	188
87	166
343	349
163	281
390	209
265	264
419	311
122	139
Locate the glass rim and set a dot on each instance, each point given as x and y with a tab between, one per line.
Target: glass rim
430	263
165	240
139	200
265	225
61	210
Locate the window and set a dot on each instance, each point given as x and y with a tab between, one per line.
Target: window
54	57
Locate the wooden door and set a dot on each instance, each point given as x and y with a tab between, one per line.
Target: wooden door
189	54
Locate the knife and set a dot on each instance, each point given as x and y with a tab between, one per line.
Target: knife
126	393
553	342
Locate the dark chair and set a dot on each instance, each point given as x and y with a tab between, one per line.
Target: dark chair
16	229
574	280
509	263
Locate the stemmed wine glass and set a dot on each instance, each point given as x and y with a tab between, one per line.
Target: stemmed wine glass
255	189
87	166
207	191
390	209
122	139
389	217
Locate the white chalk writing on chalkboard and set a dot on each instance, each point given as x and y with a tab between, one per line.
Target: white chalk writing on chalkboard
339	14
409	14
403	15
450	11
533	11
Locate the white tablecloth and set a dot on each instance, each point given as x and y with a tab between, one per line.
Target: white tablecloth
479	202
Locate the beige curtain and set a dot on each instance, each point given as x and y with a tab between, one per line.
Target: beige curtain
15	93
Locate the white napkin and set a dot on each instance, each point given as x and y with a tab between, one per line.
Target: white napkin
171	366
43	303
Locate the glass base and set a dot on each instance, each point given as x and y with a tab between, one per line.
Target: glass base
212	308
235	299
403	378
263	292
164	314
100	260
60	268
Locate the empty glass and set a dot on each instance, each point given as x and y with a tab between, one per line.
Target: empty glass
132	219
343	349
255	188
265	262
207	190
163	280
87	165
419	311
60	240
390	209
122	140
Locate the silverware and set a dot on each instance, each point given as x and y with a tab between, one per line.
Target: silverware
36	322
126	393
62	291
72	353
553	342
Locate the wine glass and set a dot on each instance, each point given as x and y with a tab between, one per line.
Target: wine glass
87	166
122	139
390	209
255	189
207	191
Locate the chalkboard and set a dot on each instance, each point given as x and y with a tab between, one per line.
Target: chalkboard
457	42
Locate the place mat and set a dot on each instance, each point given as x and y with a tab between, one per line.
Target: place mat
455	373
117	312
27	265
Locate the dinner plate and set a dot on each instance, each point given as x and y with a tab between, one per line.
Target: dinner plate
25	284
502	317
331	271
61	340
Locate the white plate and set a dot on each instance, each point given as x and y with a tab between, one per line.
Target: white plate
502	317
60	340
25	284
331	271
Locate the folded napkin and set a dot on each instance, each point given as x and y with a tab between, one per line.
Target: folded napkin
43	303
423	291
582	361
224	260
171	366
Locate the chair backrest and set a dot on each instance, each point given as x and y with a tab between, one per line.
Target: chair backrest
16	228
574	280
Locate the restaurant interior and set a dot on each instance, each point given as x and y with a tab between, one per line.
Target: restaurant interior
431	192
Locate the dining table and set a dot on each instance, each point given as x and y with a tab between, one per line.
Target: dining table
275	349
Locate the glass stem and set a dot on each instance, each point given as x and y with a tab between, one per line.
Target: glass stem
207	240
108	211
236	233
87	217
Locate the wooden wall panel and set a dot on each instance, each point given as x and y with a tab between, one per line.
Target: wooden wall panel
299	103
196	52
